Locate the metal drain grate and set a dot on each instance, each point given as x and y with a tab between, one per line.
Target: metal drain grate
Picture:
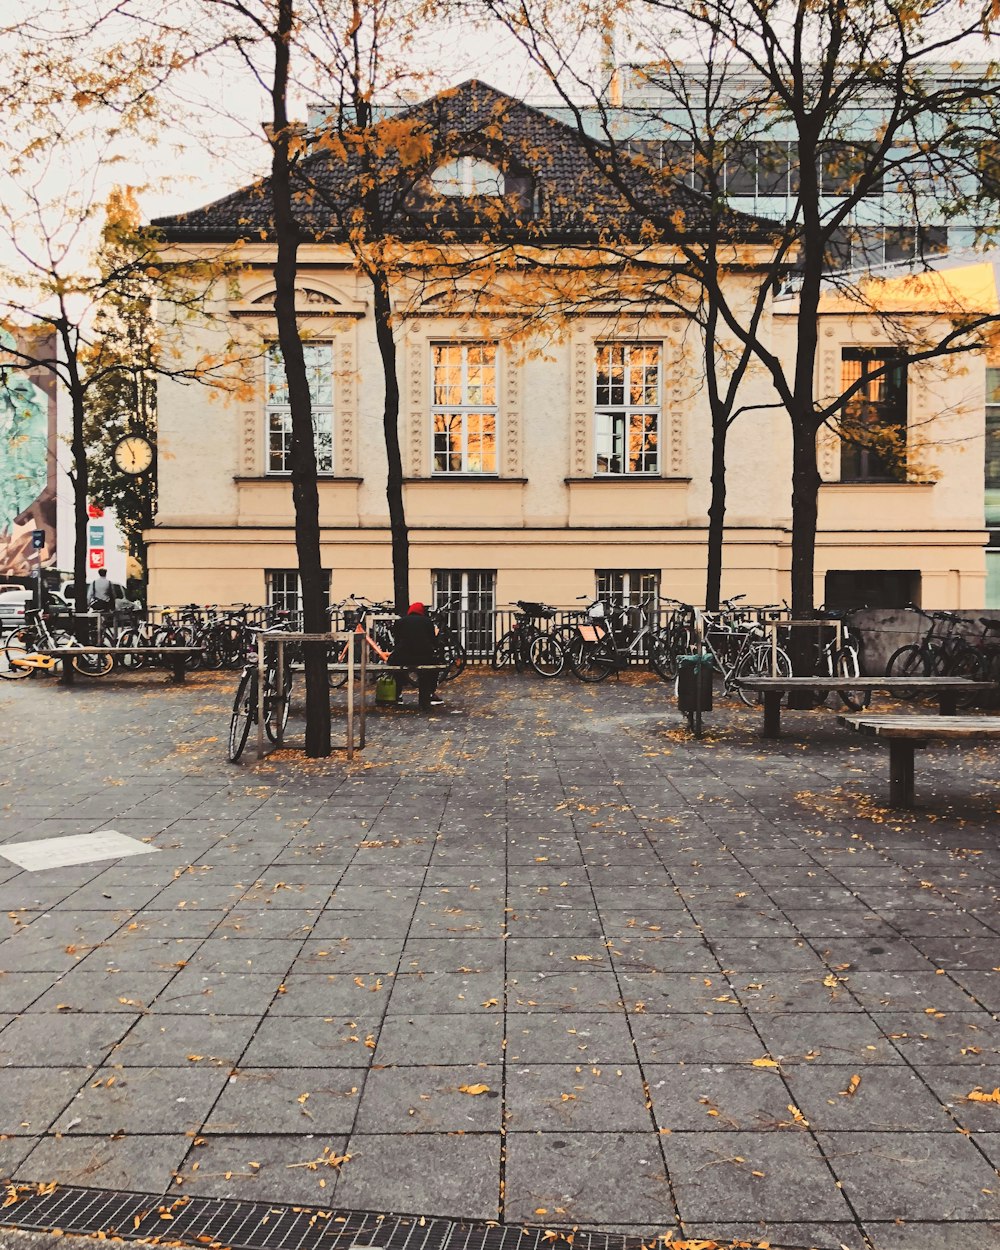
234	1224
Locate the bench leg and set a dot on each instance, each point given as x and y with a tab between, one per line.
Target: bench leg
901	772
68	672
948	702
772	714
178	669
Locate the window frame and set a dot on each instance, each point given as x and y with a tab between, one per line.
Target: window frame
864	464
278	415
624	414
463	411
291	595
630	587
474	619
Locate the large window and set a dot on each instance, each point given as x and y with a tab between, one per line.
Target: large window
873	423
468	596
284	591
993	448
627	403
629	587
319	371
464	407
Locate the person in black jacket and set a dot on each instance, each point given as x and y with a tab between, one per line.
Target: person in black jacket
416	644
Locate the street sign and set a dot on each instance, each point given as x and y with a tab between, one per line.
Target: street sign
93	511
97	557
96	536
38	539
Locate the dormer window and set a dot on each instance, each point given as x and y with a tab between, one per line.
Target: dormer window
468	176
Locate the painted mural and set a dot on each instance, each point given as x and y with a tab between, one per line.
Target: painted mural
27	476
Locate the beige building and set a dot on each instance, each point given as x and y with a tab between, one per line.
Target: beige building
545	466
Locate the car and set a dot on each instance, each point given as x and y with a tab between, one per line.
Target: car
14	600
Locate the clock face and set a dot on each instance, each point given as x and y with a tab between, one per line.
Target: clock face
133	454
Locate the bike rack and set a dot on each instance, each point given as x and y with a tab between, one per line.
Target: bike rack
279	638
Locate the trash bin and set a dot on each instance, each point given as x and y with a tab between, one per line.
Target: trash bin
694	683
694	687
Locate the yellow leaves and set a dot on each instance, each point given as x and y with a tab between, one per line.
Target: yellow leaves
582	959
831	981
977	1095
852	1086
473	1089
763	1062
328	1159
195	1058
491	1002
797	1115
933	1011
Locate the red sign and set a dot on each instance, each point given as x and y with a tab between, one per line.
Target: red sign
97	557
93	511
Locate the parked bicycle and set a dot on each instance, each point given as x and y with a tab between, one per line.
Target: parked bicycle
741	648
936	652
843	660
372	630
451	649
252	696
608	640
676	639
23	648
527	643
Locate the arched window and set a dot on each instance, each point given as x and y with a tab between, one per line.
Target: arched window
466	176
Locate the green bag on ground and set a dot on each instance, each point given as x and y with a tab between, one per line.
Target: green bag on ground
385	690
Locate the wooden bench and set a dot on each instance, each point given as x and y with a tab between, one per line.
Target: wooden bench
174	658
947	691
905	734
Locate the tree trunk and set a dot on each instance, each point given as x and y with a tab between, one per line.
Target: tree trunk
805	500
390	421
80	475
716	513
305	492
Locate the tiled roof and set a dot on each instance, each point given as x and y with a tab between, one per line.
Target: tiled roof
572	200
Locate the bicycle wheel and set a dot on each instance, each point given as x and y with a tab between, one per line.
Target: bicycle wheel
592	661
335	677
15	647
908	661
546	656
453	656
244	714
130	638
848	665
663	656
276	707
757	662
505	652
98	665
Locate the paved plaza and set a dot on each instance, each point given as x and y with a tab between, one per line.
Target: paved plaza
539	958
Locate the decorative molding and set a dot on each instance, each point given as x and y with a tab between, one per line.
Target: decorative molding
509	454
581	406
417	351
828	454
253	439
828	442
345	410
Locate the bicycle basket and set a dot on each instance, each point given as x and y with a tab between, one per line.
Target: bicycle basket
596	611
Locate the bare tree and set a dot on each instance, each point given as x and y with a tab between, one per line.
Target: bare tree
861	98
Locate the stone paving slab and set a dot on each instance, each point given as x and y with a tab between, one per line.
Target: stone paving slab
542	959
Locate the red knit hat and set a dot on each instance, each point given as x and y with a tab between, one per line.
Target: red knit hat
417	609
